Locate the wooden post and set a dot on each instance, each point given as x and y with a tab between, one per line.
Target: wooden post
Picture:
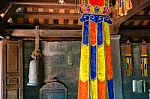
36	53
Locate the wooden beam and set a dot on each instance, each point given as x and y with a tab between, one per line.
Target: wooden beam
135	32
42	4
3	5
134	35
47	15
140	17
135	27
136	8
55	6
1	35
44	1
9	12
147	8
46	33
45	26
51	39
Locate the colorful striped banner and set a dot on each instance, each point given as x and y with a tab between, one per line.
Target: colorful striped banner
128	58
106	28
96	71
83	89
105	7
144	60
92	63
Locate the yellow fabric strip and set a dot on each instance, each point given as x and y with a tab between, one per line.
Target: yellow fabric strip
117	8
94	89
101	67
127	5
84	63
107	3
106	30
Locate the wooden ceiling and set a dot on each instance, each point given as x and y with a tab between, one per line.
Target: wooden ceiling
137	27
47	17
139	20
19	16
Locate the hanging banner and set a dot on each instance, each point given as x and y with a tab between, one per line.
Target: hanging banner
128	60
83	89
92	63
109	67
96	71
144	60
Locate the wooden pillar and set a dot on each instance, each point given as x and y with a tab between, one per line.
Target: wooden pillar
115	44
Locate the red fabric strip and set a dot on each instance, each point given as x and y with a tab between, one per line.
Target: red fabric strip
92	33
102	89
109	63
97	2
83	90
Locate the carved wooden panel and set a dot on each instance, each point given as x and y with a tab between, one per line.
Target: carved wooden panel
12	94
12	81
12	84
12	58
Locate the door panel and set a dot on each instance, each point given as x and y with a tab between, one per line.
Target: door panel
12	70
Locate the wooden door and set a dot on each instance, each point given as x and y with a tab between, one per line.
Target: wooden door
12	70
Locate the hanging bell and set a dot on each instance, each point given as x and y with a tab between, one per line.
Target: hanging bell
33	73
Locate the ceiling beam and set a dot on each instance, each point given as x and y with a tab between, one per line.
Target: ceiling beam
136	8
134	35
135	32
46	15
45	26
50	5
1	35
135	27
140	17
45	1
9	12
46	33
147	8
42	3
3	5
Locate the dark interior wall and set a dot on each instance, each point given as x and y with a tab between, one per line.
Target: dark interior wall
127	81
29	92
60	59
